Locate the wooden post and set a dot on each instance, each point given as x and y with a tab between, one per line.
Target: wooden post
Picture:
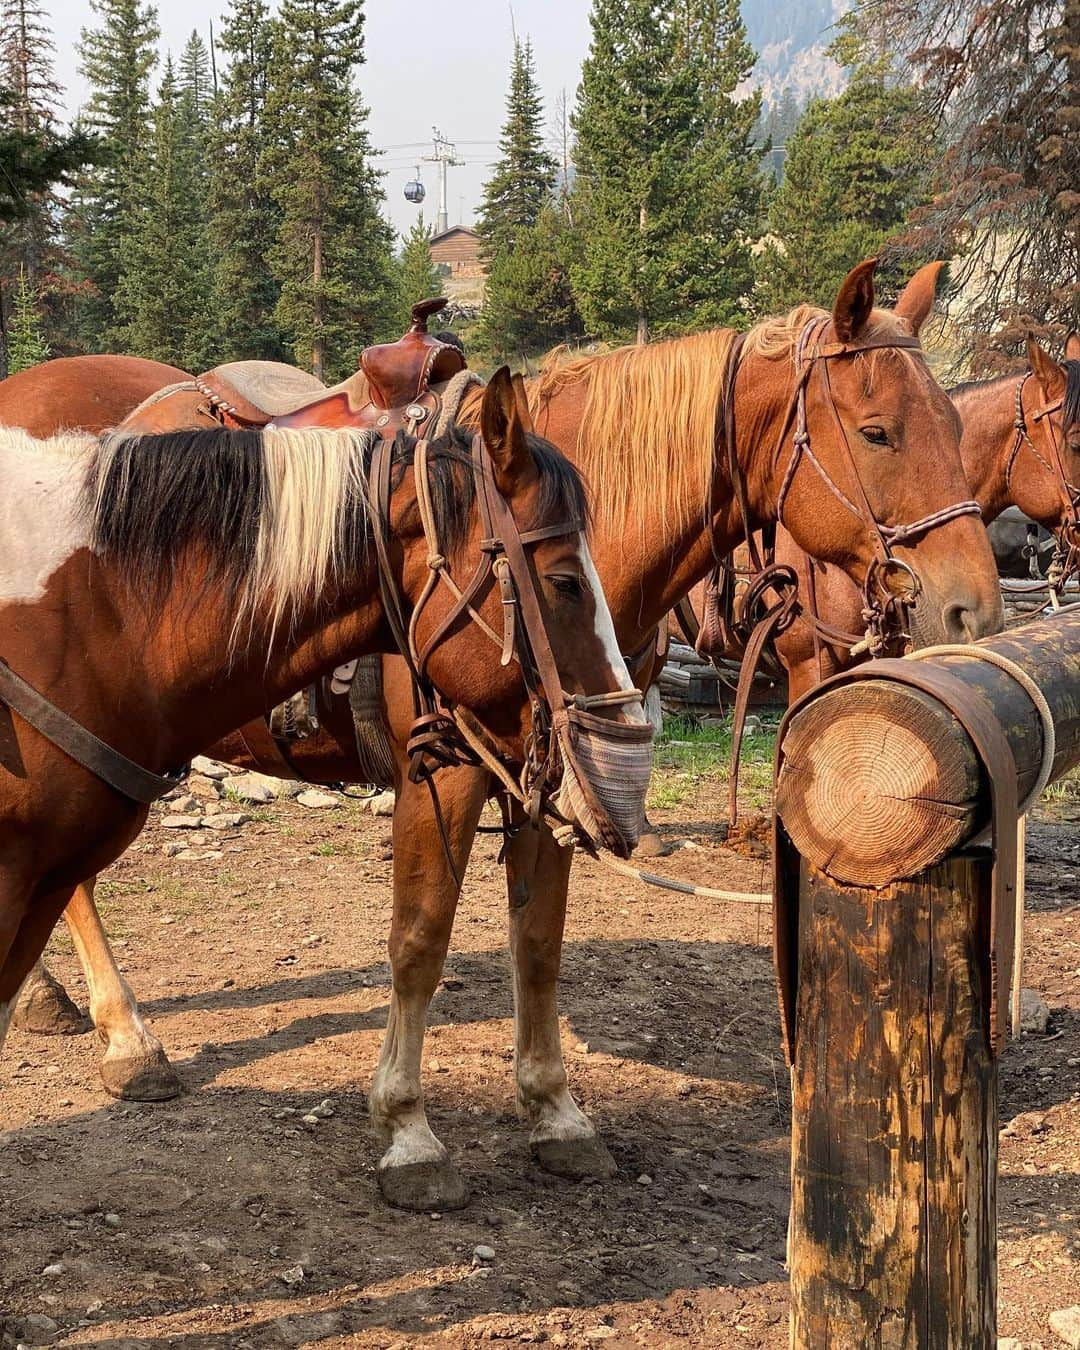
892	1244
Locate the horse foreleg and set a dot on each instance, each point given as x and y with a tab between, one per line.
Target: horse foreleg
133	1064
416	1172
26	920
563	1139
44	1007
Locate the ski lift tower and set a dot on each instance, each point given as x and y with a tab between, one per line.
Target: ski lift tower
445	156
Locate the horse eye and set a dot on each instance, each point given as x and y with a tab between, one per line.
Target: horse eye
876	435
566	584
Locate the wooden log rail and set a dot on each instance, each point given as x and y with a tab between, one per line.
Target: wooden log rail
882	937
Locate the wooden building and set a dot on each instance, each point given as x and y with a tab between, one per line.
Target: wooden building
456	252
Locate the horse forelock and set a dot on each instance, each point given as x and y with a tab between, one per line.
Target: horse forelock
1070	412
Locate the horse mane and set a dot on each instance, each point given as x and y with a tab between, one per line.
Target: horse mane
654	414
277	514
1070	412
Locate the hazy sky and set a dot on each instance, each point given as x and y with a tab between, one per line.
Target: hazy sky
430	63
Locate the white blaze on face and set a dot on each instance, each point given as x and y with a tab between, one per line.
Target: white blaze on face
41	524
632	710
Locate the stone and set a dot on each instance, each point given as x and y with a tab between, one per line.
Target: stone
1009	1343
644	1179
172	848
317	801
1065	1323
57	1268
483	1254
209	768
600	1334
382	804
38	1329
225	820
181	822
112	1220
1034	1013
184	805
249	787
310	1119
293	1275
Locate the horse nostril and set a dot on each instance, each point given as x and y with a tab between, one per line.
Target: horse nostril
961	624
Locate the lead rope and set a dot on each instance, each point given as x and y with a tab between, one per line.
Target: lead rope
1049	749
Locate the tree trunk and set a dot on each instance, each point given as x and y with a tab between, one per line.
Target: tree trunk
318	350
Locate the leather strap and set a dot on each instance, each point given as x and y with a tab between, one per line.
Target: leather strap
267	751
123	774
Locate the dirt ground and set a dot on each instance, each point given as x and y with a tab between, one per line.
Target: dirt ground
221	1220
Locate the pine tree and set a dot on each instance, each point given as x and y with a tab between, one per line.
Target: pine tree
26	341
855	167
529	302
419	278
27	52
243	215
333	251
117	59
668	190
162	298
524	175
193	77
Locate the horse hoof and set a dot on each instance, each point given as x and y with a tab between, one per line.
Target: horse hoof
141	1078
651	846
46	1010
584	1159
423	1186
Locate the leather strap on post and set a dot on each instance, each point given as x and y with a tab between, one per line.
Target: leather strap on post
123	774
992	747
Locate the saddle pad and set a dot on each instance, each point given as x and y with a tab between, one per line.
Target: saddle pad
254	388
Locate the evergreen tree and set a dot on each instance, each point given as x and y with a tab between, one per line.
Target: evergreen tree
26	341
333	252
524	175
27	52
162	299
243	215
419	278
194	79
117	59
668	190
529	302
855	167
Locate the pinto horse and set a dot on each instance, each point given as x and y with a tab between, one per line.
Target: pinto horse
157	591
648	428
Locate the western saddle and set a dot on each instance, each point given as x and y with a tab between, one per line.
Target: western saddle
394	388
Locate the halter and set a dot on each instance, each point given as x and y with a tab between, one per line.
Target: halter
1066	560
442	735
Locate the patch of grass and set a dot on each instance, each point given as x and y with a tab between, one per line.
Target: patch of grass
331	850
689	756
1065	791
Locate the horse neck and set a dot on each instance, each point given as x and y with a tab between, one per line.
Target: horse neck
986	445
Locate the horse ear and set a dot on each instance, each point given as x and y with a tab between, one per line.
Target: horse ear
854	300
504	435
916	300
1072	347
1046	370
521	398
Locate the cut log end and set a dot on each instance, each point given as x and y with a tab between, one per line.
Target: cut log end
877	782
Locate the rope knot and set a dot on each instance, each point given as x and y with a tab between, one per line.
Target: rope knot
436	562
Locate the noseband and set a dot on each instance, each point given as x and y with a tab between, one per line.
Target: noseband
1066	560
442	735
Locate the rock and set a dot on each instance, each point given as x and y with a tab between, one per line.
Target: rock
184	805
293	1275
382	804
181	822
112	1220
250	787
94	1307
1066	1324
209	768
199	855
324	1110
172	848
600	1334
483	1254
203	786
644	1179
1034	1013
37	1329
225	820
317	801
1009	1343
310	1119
57	1268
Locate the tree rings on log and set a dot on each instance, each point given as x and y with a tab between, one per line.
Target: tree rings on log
877	780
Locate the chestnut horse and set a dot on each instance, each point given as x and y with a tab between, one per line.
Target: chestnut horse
664	504
162	590
1011	458
80	393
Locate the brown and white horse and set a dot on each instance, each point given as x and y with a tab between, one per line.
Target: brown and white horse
163	590
646	426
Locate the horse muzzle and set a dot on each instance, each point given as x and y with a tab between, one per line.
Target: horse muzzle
606	769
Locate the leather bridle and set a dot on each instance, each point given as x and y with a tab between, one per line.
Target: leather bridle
1066	561
443	735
